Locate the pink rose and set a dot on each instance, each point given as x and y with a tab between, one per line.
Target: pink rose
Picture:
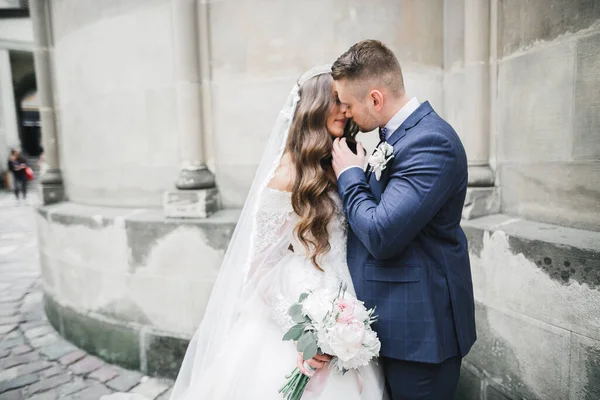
345	309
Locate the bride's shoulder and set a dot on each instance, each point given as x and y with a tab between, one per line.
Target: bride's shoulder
283	178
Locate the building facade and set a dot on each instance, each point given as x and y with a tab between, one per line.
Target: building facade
154	114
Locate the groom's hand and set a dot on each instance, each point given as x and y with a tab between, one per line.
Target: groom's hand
344	158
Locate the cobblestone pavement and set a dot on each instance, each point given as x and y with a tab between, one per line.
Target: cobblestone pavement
35	362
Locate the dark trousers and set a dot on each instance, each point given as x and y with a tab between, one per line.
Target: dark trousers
408	380
20	186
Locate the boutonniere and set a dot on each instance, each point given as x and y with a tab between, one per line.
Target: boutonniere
380	157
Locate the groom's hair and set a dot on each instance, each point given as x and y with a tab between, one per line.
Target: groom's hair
370	60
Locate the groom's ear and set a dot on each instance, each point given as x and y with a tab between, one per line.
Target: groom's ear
377	98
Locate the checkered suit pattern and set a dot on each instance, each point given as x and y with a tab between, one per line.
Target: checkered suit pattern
407	253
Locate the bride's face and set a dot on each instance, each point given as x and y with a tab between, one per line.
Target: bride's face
336	121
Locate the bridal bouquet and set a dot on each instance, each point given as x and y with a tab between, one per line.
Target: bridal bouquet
334	323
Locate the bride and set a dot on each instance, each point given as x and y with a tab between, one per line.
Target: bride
290	238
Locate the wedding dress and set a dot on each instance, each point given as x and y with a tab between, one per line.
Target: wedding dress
238	351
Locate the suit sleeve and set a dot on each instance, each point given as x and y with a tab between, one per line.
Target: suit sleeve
421	180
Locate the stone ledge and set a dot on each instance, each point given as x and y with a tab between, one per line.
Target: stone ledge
537	289
73	213
100	287
563	253
125	344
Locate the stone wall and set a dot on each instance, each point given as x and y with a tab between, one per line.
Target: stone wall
536	291
259	48
536	266
126	284
115	88
548	130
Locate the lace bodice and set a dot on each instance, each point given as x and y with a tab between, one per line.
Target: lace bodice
290	272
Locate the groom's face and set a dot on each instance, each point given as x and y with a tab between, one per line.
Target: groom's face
355	105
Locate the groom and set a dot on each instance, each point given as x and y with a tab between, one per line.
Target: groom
407	253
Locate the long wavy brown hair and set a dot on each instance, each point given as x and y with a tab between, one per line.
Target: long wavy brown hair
309	145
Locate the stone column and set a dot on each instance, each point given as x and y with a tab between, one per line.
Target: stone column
51	182
477	91
468	86
7	102
197	195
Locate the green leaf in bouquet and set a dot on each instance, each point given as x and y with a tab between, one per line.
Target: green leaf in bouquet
310	351
302	297
295	309
300	318
294	333
307	344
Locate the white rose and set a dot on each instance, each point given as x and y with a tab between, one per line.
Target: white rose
387	149
378	157
371	342
360	312
318	304
345	339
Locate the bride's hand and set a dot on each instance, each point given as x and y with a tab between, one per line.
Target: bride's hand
317	362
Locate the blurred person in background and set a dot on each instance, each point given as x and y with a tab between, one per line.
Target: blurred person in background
17	165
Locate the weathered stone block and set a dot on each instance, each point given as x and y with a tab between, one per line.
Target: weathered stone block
585	368
493	393
554	193
117	259
535	118
526	355
51	193
469	385
546	272
191	203
523	23
52	312
112	342
164	354
480	202
586	145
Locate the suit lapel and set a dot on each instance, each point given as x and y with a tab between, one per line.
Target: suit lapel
413	119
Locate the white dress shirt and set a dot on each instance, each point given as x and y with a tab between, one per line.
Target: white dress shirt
394	123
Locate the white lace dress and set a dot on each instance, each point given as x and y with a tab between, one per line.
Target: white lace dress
256	361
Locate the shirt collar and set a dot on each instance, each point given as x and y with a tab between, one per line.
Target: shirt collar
401	116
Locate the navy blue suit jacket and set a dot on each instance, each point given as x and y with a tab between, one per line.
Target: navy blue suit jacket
407	253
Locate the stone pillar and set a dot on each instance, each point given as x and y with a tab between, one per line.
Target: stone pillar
197	195
468	85
477	91
52	189
7	102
